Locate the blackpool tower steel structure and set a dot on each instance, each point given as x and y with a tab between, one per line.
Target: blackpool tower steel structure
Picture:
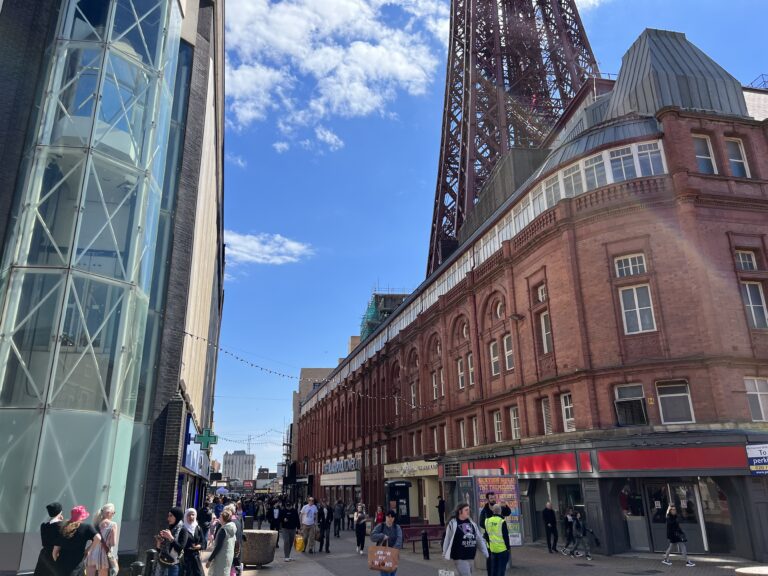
513	66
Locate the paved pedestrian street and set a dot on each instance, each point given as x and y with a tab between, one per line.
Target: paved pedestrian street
528	560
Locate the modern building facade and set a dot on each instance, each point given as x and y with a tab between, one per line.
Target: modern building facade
601	333
111	287
239	464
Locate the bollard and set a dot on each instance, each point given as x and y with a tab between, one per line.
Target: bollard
137	568
149	565
425	544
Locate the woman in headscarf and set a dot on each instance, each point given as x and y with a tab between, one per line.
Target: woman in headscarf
98	561
195	540
72	547
49	532
220	561
170	544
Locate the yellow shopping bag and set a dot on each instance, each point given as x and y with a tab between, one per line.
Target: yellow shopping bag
298	543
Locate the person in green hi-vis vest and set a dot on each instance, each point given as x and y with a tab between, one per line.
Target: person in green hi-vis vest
498	541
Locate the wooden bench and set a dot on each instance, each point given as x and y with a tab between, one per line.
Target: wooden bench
412	534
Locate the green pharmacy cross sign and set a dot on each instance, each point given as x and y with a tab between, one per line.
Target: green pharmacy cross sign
206	439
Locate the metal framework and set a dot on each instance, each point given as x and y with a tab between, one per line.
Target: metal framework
513	66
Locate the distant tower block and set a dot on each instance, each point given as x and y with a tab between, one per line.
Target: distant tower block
513	66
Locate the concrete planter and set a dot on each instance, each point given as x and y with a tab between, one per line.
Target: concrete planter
259	547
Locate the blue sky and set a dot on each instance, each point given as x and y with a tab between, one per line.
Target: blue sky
333	113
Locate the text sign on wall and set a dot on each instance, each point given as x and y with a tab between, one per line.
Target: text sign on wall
507	491
757	457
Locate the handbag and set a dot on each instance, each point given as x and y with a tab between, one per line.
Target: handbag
298	543
681	536
168	556
114	567
383	558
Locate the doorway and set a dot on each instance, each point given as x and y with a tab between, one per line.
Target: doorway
686	498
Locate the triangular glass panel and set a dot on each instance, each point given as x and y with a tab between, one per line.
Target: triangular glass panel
138	29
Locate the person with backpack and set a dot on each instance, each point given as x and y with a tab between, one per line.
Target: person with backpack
676	536
462	541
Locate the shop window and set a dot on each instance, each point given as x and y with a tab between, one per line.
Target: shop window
675	402
514	422
757	398
630	405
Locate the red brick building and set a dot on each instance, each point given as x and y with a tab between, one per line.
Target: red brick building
602	333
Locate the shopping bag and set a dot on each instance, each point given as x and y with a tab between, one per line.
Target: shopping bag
383	559
298	543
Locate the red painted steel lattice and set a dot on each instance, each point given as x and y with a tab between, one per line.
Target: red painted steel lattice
513	66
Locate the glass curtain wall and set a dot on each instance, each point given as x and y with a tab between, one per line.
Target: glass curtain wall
77	267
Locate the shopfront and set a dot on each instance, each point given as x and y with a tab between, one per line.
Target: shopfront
194	472
424	488
341	480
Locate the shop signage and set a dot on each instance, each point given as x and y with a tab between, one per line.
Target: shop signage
410	469
757	457
347	465
341	479
195	459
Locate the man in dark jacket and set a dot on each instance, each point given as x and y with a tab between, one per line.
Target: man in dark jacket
338	518
289	523
204	518
441	509
324	519
486	513
550	527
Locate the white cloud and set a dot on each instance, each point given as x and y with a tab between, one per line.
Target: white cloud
281	147
305	62
586	5
238	161
264	249
328	137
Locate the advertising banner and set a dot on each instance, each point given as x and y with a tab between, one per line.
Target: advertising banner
757	457
507	492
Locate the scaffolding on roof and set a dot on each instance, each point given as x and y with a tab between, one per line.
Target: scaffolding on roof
379	308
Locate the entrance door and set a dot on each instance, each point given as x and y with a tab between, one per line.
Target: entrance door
685	497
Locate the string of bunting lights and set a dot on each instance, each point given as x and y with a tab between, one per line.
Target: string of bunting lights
399	399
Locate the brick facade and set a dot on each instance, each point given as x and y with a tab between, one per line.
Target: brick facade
686	225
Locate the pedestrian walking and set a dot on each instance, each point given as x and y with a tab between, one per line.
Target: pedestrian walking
490	501
350	509
49	535
289	523
568	529
379	515
170	544
338	518
103	558
324	520
441	509
239	537
388	534
274	520
204	518
360	519
73	545
676	537
581	534
498	541
261	513
220	561
462	540
195	542
550	527
308	516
